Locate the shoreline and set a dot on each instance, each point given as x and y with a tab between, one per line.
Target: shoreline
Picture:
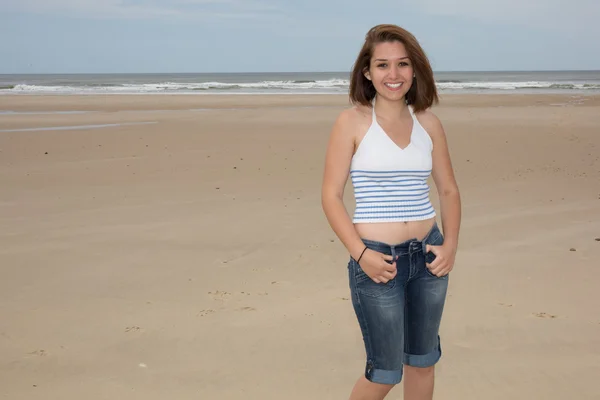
12	105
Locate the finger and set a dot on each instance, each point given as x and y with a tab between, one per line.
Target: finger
388	258
446	270
433	249
384	277
439	268
435	264
442	273
439	259
389	267
387	275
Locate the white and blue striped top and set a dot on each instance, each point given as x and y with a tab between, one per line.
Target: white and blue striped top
390	183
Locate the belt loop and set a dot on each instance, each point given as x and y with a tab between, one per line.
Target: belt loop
412	247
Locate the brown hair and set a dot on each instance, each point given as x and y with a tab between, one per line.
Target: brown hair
423	92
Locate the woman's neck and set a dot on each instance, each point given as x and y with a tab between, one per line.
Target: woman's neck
390	110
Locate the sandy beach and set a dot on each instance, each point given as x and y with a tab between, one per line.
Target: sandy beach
174	247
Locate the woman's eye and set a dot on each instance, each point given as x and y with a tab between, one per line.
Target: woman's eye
382	65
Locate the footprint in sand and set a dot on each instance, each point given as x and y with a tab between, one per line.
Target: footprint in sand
220	295
545	315
204	313
225	297
41	353
132	329
505	304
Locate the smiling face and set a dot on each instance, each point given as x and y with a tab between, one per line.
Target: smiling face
390	70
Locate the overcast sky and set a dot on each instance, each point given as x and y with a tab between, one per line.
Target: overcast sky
77	36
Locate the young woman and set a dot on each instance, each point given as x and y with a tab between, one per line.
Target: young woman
390	143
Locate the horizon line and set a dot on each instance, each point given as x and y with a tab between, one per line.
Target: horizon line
286	72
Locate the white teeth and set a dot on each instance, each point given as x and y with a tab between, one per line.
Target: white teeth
394	86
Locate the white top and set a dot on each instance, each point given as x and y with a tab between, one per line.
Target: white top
390	183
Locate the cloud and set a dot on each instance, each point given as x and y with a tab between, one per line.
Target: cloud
553	15
144	9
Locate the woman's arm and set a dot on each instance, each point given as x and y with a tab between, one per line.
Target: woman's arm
445	182
337	166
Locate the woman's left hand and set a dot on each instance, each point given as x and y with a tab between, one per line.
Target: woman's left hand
444	259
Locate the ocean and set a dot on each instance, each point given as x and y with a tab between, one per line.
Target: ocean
578	82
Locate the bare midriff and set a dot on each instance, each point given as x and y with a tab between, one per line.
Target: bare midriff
394	232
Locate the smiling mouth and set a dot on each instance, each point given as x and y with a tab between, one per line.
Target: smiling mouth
393	85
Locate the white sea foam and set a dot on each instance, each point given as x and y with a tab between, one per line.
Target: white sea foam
331	84
515	85
283	87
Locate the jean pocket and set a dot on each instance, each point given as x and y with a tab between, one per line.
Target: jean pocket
435	239
428	272
366	286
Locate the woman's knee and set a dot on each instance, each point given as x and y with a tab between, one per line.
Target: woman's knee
419	371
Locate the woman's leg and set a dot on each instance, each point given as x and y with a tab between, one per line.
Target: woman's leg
425	298
380	311
366	390
418	383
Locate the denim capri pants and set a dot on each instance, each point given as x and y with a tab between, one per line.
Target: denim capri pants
400	319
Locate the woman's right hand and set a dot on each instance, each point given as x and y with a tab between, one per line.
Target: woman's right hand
380	267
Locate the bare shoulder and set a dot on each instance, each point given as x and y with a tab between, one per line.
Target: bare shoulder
341	147
351	120
355	114
431	123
